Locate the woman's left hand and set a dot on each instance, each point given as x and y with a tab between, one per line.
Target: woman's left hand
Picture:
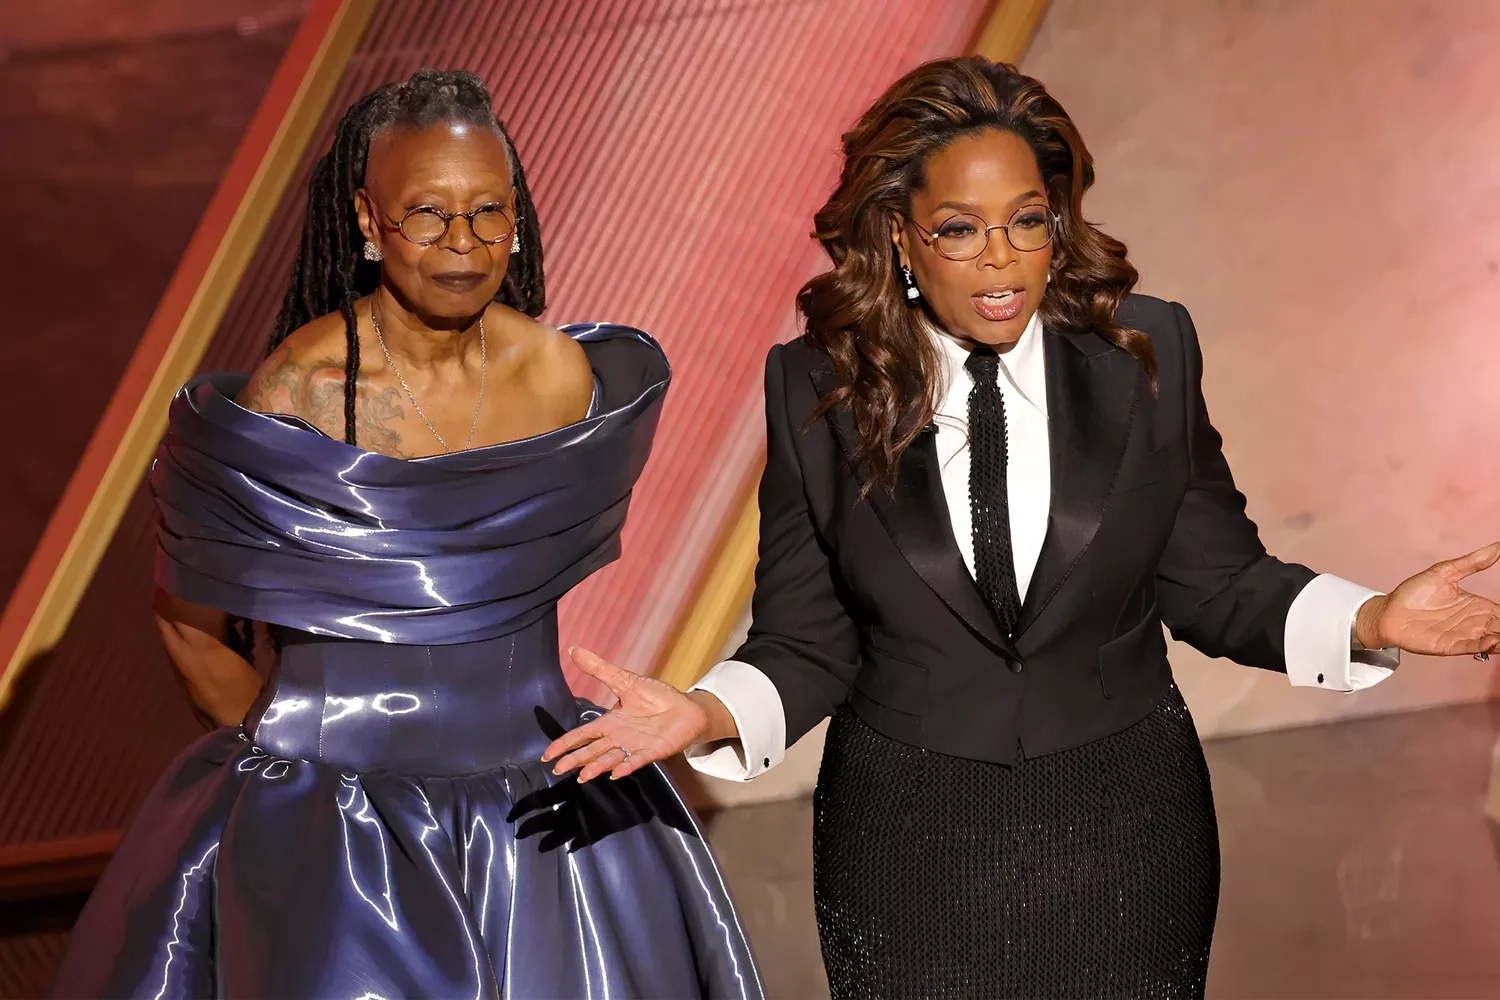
1430	613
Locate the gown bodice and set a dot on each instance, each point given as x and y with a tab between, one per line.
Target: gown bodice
266	518
416	599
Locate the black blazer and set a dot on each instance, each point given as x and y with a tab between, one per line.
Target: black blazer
870	602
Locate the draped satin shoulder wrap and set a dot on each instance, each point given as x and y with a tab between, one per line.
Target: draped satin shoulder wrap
268	519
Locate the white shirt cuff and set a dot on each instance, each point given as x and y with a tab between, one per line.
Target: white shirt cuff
758	714
1320	638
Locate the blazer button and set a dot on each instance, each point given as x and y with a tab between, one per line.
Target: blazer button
1014	665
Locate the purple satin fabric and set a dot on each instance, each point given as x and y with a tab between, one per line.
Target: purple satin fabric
262	518
381	826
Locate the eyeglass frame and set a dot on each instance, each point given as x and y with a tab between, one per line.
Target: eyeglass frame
1054	220
448	217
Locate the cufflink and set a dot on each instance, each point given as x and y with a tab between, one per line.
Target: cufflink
766	762
1320	678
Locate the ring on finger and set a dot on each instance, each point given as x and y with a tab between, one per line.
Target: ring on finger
626	752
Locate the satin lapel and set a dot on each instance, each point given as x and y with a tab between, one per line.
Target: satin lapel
1093	390
916	518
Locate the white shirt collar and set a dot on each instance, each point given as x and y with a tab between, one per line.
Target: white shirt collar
1024	367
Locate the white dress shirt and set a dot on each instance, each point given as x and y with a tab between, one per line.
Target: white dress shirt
1319	623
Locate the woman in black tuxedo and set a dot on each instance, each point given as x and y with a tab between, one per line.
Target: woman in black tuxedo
990	480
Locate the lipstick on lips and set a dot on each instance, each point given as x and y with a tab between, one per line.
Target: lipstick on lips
1000	302
459	281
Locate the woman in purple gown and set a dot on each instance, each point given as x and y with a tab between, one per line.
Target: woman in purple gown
402	492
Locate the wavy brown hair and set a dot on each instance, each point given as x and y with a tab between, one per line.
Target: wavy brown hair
884	360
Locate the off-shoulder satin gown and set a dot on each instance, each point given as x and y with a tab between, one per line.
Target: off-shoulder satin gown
381	825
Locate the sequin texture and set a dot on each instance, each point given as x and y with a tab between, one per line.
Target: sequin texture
989	492
1093	872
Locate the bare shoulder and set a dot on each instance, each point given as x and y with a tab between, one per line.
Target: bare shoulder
554	368
304	376
567	365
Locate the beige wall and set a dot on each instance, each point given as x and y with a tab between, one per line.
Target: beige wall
1318	181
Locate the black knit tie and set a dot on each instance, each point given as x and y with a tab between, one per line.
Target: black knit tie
994	560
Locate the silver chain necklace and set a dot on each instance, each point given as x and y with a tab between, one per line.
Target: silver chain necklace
484	365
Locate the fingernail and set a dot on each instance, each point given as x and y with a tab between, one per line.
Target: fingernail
570	650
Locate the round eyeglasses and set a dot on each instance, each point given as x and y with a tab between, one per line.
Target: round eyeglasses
964	237
426	225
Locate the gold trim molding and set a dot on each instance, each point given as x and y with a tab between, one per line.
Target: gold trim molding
721	598
1009	30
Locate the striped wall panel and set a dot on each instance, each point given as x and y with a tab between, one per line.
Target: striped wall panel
677	151
27	961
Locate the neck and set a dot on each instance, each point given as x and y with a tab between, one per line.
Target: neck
420	341
968	344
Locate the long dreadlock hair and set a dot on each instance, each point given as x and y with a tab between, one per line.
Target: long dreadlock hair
330	271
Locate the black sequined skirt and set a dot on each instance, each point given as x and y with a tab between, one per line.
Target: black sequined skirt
1088	873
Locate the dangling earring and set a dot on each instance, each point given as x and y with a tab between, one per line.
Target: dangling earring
515	240
372	252
913	293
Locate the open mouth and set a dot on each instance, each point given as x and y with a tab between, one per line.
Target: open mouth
1001	303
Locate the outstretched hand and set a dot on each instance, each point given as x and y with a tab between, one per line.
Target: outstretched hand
652	721
1430	613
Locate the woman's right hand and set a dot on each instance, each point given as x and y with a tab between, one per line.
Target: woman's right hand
220	684
652	721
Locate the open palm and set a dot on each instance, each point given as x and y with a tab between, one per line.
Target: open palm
652	721
1430	613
